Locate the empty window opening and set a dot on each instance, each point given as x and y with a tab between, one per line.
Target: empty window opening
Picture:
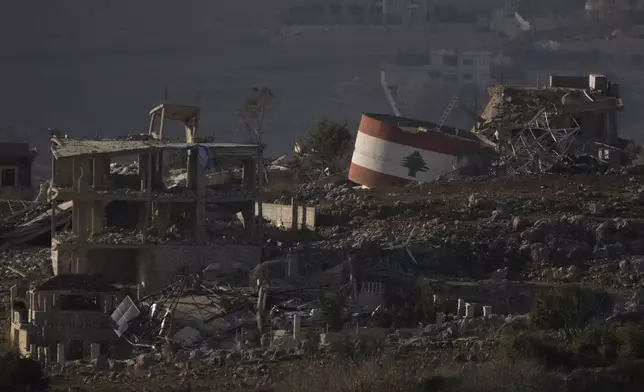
9	177
20	306
75	350
79	302
450	60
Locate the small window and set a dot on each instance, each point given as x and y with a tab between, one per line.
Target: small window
467	77
451	77
468	62
450	60
9	177
435	74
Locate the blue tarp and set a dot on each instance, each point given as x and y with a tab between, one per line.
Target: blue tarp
204	154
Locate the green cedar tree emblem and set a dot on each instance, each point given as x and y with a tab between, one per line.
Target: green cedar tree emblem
415	163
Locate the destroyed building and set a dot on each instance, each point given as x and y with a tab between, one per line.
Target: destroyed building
16	160
538	128
135	228
158	229
64	317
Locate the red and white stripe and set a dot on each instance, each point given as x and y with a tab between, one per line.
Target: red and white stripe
381	148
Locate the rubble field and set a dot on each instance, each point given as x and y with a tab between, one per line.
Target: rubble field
548	229
556	228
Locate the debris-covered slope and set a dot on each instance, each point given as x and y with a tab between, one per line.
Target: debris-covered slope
562	228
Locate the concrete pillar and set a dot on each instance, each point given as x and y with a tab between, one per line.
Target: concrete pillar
101	173
161	216
487	311
60	353
200	207
46	357
249	178
98	216
297	324
293	265
440	318
469	310
33	351
294	215
144	171
460	311
41	354
94	350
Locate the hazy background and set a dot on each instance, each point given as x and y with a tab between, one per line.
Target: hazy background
98	67
90	67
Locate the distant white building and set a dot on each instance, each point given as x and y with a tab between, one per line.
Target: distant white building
448	65
612	9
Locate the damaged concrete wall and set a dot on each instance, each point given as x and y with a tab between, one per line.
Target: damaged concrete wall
160	265
282	215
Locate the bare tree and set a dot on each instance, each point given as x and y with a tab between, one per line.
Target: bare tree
256	110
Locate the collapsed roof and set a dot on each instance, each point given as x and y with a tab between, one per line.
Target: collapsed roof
516	106
66	148
76	282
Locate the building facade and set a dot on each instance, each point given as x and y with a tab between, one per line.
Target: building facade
16	161
66	317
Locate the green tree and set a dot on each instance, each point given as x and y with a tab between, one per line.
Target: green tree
415	163
255	112
329	140
569	309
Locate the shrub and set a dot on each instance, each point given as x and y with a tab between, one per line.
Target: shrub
19	374
412	305
507	376
569	309
363	347
596	346
631	338
533	346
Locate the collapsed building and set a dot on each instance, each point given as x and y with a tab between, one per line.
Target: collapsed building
570	123
171	227
179	208
539	128
64	317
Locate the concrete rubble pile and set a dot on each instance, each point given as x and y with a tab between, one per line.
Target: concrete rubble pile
473	251
569	125
494	224
32	223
